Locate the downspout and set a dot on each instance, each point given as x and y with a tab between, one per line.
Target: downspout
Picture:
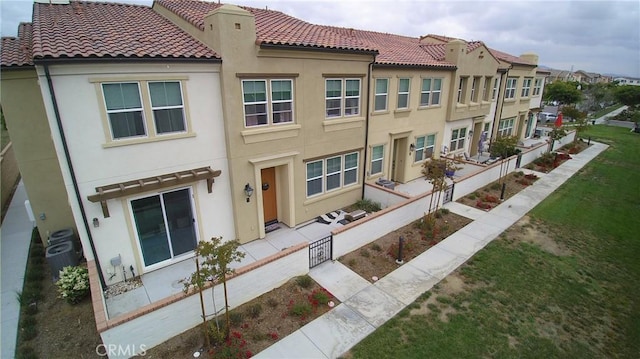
67	156
366	126
496	115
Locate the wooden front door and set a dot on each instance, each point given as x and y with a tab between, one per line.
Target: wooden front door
269	202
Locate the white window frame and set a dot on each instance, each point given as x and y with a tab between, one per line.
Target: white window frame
475	90
340	173
181	107
425	146
403	94
526	87
432	92
537	86
126	110
505	127
384	94
510	89
486	88
457	142
343	98
494	92
268	102
377	160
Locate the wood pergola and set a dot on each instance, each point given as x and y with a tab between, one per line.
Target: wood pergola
130	188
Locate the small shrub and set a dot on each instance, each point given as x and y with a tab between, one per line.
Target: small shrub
304	281
376	247
233	347
300	309
236	318
444	211
365	253
531	177
483	205
367	205
272	302
254	311
491	199
73	284
518	174
352	262
472	196
320	296
495	186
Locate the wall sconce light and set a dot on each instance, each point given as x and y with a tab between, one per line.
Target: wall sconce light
248	191
96	223
471	133
412	147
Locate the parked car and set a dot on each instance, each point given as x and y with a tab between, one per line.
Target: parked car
546	117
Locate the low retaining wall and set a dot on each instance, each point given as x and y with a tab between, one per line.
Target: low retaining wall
384	196
155	323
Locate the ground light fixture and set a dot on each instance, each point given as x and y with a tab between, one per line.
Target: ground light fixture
248	191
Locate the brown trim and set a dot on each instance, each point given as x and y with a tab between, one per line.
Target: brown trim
342	75
129	188
359	149
266	75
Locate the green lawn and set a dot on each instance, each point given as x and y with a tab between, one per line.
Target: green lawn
522	301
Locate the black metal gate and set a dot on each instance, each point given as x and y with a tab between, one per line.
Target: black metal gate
448	194
320	251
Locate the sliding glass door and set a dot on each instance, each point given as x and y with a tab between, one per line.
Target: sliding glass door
165	225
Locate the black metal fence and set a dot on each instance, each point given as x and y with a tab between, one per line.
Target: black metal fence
320	251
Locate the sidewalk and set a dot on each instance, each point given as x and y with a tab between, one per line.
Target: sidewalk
366	306
14	246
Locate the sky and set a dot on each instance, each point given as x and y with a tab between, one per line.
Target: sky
594	36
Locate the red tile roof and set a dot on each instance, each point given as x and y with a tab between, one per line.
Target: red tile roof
110	30
510	58
272	27
440	39
16	51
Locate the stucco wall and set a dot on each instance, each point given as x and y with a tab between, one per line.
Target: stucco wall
98	162
10	175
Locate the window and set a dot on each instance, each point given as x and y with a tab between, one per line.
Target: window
537	87
486	127
457	139
430	92
495	88
512	83
486	89
124	109
377	155
336	99
164	225
475	89
462	88
259	101
526	87
403	93
167	107
282	101
424	147
331	173
381	94
505	127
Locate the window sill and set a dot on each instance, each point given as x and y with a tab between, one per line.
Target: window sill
509	100
331	194
381	112
461	106
428	107
156	138
342	123
270	133
402	110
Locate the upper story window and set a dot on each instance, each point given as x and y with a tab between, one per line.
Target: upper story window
124	109
382	91
462	89
537	86
495	88
526	87
403	93
457	139
486	90
512	83
264	106
332	173
505	127
424	147
430	92
342	97
167	106
475	89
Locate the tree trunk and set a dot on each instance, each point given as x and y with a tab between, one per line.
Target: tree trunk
226	306
204	317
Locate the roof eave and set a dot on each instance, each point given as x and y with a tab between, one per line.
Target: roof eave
266	45
416	66
65	59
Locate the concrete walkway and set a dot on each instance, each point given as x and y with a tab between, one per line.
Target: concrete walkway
366	306
14	246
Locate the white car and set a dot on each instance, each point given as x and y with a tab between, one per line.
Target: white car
546	117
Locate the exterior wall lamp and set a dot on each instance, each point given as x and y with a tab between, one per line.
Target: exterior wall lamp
248	191
412	147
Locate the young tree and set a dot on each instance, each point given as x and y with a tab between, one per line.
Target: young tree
563	92
216	258
434	171
628	95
